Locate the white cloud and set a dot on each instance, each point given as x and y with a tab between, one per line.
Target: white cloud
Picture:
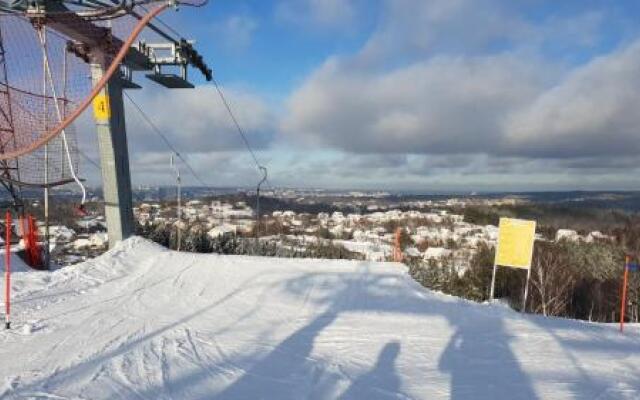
197	124
318	13
415	30
446	77
236	32
228	168
443	105
592	112
195	120
458	172
443	93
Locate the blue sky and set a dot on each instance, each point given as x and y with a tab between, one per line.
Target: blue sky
407	94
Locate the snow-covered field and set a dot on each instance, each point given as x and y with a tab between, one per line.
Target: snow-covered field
142	322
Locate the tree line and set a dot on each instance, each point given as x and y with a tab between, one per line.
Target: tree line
568	279
198	241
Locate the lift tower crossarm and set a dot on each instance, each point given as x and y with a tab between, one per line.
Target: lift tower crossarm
89	39
63	20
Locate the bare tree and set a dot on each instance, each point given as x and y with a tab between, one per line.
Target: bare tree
552	280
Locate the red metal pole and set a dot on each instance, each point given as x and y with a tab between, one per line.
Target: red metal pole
623	304
7	271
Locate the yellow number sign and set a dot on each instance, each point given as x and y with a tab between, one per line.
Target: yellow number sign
101	107
515	243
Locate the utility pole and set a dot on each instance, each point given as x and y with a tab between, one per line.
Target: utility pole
264	178
179	210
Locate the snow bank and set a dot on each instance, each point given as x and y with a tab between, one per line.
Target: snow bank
147	323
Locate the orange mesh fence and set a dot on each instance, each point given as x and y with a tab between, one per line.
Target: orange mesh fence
27	106
37	104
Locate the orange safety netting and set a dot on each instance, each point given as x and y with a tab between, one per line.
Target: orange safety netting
42	93
27	107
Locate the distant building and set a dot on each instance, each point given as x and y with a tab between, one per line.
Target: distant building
437	253
222	230
597	236
567	234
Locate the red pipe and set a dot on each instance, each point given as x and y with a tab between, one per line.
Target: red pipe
623	304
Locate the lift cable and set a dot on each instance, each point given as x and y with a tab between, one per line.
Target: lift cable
89	159
166	141
226	104
239	129
235	122
161	22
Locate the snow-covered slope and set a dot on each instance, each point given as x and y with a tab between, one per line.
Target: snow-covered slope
142	322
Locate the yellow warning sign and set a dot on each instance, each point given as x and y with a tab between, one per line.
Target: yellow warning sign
101	107
515	243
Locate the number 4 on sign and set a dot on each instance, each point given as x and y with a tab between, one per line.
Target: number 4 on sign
101	107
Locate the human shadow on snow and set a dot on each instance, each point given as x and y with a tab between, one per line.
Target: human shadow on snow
287	371
382	381
467	358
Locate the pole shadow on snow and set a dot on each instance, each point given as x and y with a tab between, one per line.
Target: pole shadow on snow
288	371
482	365
603	340
478	357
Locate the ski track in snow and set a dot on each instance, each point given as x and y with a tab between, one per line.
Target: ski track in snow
142	322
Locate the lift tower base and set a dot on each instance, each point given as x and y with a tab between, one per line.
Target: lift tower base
108	110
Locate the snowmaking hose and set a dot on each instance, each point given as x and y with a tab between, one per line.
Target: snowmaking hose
115	64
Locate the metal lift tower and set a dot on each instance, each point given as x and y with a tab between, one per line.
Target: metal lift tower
167	63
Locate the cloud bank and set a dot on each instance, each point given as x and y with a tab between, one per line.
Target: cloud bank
449	77
438	92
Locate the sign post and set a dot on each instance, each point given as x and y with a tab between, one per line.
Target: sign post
514	250
526	290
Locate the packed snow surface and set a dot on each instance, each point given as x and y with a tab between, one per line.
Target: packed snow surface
142	322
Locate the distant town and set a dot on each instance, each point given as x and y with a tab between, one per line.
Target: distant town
437	230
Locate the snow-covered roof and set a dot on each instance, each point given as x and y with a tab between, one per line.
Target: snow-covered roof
567	234
222	229
436	253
